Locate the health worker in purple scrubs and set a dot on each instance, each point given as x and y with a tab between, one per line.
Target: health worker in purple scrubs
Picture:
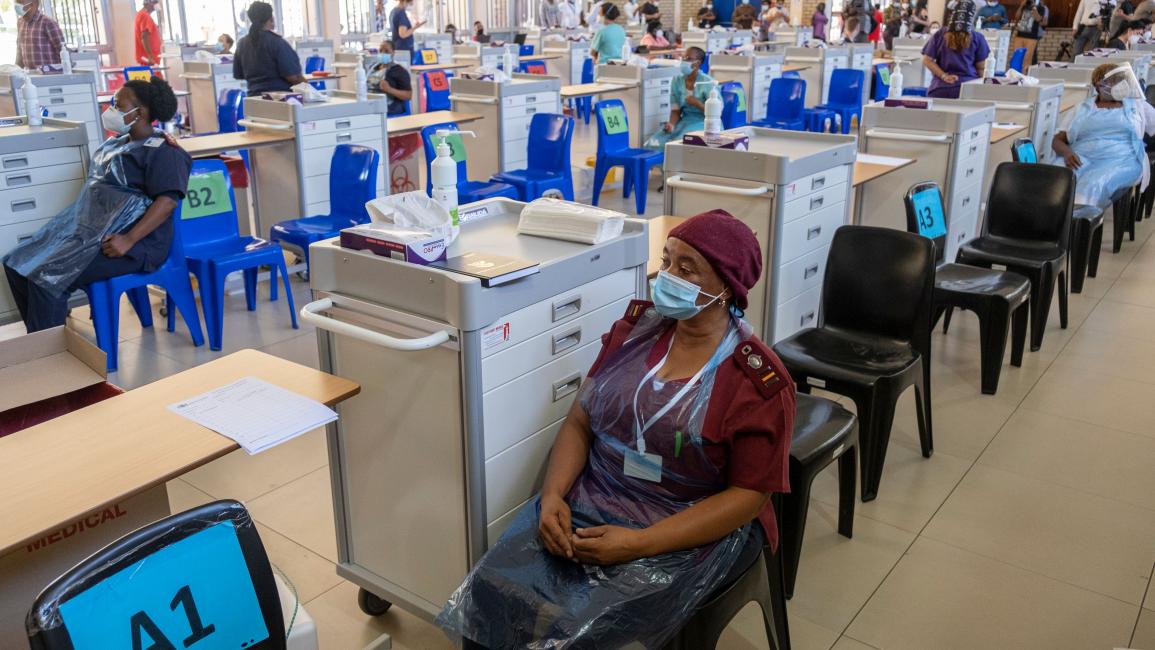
955	54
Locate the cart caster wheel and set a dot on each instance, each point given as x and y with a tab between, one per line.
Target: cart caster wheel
371	604
303	276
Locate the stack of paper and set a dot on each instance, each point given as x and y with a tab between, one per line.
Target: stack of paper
255	413
569	221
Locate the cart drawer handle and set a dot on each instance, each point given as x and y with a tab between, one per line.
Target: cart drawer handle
56	90
309	315
806	318
817	202
818	182
678	181
23	206
813	232
563	310
344	124
16	181
15	161
565	387
567	341
810	272
344	137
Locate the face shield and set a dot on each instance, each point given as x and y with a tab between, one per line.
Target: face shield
1121	83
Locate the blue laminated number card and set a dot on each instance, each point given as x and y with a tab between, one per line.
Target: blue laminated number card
1026	152
195	594
928	210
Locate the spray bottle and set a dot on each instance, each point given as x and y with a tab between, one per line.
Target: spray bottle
895	83
509	62
65	59
714	107
361	80
443	175
32	103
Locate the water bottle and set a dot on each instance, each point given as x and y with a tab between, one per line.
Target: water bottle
32	103
362	82
65	59
895	84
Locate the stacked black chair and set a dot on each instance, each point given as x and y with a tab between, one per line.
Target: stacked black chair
992	295
823	433
1027	229
1086	226
1147	197
872	341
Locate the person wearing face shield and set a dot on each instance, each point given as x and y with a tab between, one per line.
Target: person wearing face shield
957	54
120	223
657	491
688	94
1104	144
38	37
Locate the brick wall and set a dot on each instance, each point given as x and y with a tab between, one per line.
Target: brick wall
1052	41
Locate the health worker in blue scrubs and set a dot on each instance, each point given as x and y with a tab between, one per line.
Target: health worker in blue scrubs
264	59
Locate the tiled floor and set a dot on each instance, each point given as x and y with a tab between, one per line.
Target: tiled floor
1032	526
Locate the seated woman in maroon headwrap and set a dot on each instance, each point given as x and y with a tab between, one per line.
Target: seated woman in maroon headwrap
659	482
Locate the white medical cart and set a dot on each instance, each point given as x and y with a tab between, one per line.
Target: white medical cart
755	72
69	97
463	389
949	141
793	190
1140	62
441	43
310	46
711	42
1076	81
573	55
791	36
999	41
206	82
1036	107
507	108
42	171
647	101
293	181
862	58
820	63
907	54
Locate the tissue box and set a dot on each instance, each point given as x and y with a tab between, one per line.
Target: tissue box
736	141
387	240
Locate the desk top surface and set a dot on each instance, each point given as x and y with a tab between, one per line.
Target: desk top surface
61	469
1070	100
864	172
998	133
438	66
583	90
417	121
794	67
210	145
540	57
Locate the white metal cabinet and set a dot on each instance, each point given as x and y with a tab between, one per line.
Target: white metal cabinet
69	97
507	109
754	72
311	46
42	171
572	55
431	461
711	41
862	58
820	63
999	40
440	43
950	142
206	82
647	101
908	54
793	190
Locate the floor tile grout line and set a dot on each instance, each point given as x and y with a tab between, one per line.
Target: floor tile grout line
1139	615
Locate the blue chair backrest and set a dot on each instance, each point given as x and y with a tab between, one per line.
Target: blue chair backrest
200	574
208	211
588	71
532	67
1023	150
549	142
352	180
881	81
733	105
429	142
314	63
1017	59
613	126
425	56
436	86
925	216
787	98
846	87
138	72
706	63
228	108
525	50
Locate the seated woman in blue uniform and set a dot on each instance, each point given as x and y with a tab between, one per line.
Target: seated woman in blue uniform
658	486
1104	144
122	221
688	94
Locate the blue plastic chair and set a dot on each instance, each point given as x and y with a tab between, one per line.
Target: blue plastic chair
914	91
818	118
419	57
436	100
136	68
787	105
214	248
548	167
532	67
313	64
584	105
614	150
525	50
845	96
467	191
1018	59
229	106
172	276
733	105
881	84
705	67
352	184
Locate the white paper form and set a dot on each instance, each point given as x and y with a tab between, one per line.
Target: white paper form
255	413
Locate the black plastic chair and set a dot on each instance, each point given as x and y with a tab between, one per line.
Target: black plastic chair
823	433
1124	205
220	533
992	295
873	336
1027	228
761	582
1086	226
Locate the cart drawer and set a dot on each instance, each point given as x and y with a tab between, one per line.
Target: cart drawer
816	182
69	89
495	529
513	362
339	124
40	158
801	275
41	175
812	203
797	314
515	475
516	410
811	233
37	202
348	136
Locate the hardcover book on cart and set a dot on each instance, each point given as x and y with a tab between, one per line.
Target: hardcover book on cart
492	270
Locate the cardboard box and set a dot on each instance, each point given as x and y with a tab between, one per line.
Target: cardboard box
396	242
35	369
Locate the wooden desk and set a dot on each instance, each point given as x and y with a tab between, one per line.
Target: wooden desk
328	77
211	145
413	123
1069	101
794	67
540	57
99	455
998	133
864	172
416	69
587	90
660	228
878	60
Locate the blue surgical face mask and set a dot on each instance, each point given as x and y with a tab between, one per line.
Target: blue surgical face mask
20	10
218	47
677	298
687	68
385	58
